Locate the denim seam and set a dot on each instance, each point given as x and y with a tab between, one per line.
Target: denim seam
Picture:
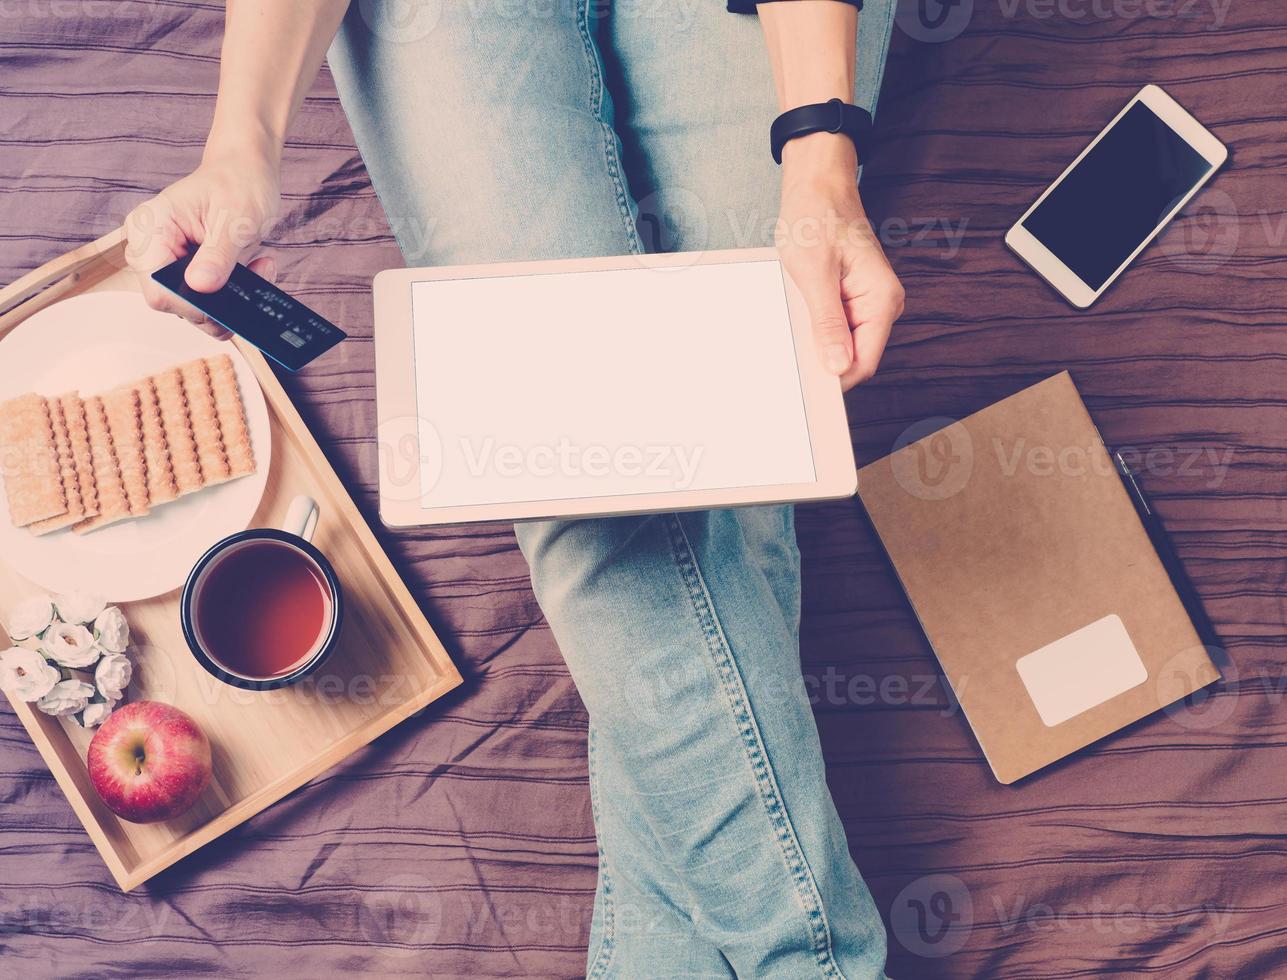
607	942
762	772
611	158
884	61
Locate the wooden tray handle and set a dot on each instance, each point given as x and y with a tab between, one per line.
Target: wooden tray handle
45	285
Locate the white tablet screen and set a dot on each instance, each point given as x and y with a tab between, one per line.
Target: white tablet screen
573	385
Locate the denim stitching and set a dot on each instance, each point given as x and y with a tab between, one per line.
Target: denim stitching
884	59
607	942
610	156
607	946
766	783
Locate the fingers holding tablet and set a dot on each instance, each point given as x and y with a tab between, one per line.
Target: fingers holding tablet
852	293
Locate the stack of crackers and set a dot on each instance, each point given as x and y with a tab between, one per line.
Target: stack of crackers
87	463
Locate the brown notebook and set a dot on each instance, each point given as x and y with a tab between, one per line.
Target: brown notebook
1034	579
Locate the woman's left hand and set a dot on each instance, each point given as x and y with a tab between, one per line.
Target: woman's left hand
833	255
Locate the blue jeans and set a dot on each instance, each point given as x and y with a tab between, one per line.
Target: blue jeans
501	130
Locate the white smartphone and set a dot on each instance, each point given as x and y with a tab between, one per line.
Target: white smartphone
1115	198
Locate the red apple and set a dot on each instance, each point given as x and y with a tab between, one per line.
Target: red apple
149	762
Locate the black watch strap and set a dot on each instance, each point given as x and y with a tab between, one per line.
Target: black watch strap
835	116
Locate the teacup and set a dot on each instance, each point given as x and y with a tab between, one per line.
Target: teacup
262	609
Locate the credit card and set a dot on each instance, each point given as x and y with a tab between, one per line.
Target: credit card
254	309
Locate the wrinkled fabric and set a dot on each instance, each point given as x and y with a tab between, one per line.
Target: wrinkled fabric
461	844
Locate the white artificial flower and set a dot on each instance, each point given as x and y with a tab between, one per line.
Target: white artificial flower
112	675
31	617
66	698
71	645
112	631
26	674
78	607
96	713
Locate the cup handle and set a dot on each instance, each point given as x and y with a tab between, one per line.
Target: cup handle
301	517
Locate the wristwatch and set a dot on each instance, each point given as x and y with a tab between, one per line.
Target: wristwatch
836	116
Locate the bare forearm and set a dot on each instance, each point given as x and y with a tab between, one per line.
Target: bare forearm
812	49
272	50
823	235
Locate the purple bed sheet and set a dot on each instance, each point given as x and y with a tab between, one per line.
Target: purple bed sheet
461	844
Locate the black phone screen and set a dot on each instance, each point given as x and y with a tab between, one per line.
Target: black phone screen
1122	190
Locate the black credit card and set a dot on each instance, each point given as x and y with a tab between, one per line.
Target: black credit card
255	310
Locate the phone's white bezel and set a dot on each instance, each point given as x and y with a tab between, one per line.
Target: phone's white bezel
397	410
1047	265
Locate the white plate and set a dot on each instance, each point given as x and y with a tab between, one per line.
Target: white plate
93	343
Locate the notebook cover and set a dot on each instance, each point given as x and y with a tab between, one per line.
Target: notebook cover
1013	535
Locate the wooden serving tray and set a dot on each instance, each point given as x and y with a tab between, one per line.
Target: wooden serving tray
389	663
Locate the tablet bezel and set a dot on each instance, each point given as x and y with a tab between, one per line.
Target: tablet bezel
397	411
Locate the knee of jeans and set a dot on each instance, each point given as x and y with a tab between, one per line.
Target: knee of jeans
607	587
556	551
572	562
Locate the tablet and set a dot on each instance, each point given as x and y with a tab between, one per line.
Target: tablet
601	386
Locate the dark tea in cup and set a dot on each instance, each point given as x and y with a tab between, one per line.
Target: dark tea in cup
261	609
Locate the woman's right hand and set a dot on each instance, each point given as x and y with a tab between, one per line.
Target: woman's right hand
224	209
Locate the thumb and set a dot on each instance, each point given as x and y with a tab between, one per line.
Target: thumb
212	265
830	325
265	267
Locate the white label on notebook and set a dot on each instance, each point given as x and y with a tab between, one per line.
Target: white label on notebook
1081	670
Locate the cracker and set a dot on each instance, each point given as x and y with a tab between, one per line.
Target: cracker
173	404
74	415
66	473
161	486
29	457
205	423
113	505
124	419
232	415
